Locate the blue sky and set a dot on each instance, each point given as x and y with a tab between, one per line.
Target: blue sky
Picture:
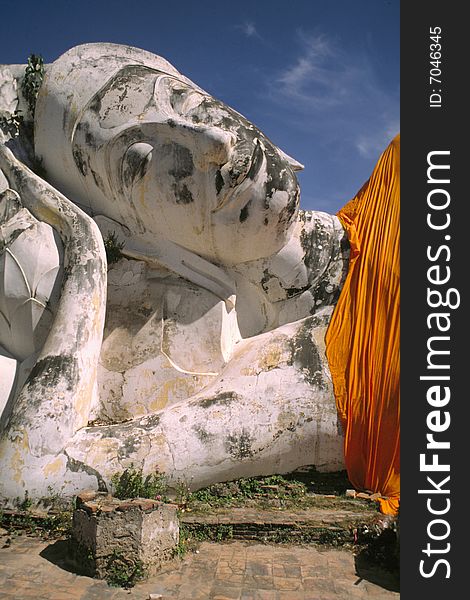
319	77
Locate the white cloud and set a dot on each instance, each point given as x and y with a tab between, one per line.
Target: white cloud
323	76
249	29
308	68
337	93
372	145
338	111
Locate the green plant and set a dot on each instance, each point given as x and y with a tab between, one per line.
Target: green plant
113	248
122	571
132	484
32	80
268	491
224	532
183	492
51	525
26	503
183	543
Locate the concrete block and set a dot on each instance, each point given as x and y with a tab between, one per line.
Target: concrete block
110	534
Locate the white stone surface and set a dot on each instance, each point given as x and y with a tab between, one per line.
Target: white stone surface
210	364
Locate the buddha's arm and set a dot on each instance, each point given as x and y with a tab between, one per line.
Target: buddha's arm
270	410
55	400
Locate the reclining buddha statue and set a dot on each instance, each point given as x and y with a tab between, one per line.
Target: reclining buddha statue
194	343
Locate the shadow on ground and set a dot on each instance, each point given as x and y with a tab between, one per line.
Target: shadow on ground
59	553
379	562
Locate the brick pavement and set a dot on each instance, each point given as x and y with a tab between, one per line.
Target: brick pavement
234	570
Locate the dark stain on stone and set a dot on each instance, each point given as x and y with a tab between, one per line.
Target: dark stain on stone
171	123
287	213
239	445
182	160
118	83
150	422
145	311
114	430
305	356
80	161
265	280
131	445
226	122
320	320
244	212
97	179
223	398
95	104
202	435
123	95
219	181
339	427
256	162
292	292
135	165
331	270
345	255
76	466
182	194
50	370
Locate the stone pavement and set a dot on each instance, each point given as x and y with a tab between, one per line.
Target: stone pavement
30	568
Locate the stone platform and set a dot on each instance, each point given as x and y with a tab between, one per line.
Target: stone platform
236	569
31	568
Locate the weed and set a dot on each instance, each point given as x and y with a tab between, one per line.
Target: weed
51	525
122	571
132	484
224	532
274	489
183	492
32	80
191	535
183	543
113	248
26	503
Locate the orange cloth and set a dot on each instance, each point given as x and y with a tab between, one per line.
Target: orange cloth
362	341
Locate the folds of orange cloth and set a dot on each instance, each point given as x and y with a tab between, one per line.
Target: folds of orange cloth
362	341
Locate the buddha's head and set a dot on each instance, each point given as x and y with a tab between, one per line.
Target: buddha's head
124	134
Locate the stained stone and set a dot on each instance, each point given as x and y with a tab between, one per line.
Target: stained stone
200	352
108	534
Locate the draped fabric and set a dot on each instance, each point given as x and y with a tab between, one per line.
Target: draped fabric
362	341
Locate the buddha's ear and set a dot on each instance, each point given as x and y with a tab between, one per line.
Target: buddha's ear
295	165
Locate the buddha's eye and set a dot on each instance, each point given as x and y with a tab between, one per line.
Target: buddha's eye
184	99
136	162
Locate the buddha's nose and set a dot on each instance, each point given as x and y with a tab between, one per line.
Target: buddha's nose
208	144
214	146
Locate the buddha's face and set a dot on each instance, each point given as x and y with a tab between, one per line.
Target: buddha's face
162	157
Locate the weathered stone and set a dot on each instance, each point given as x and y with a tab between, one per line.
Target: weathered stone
86	496
210	364
139	533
